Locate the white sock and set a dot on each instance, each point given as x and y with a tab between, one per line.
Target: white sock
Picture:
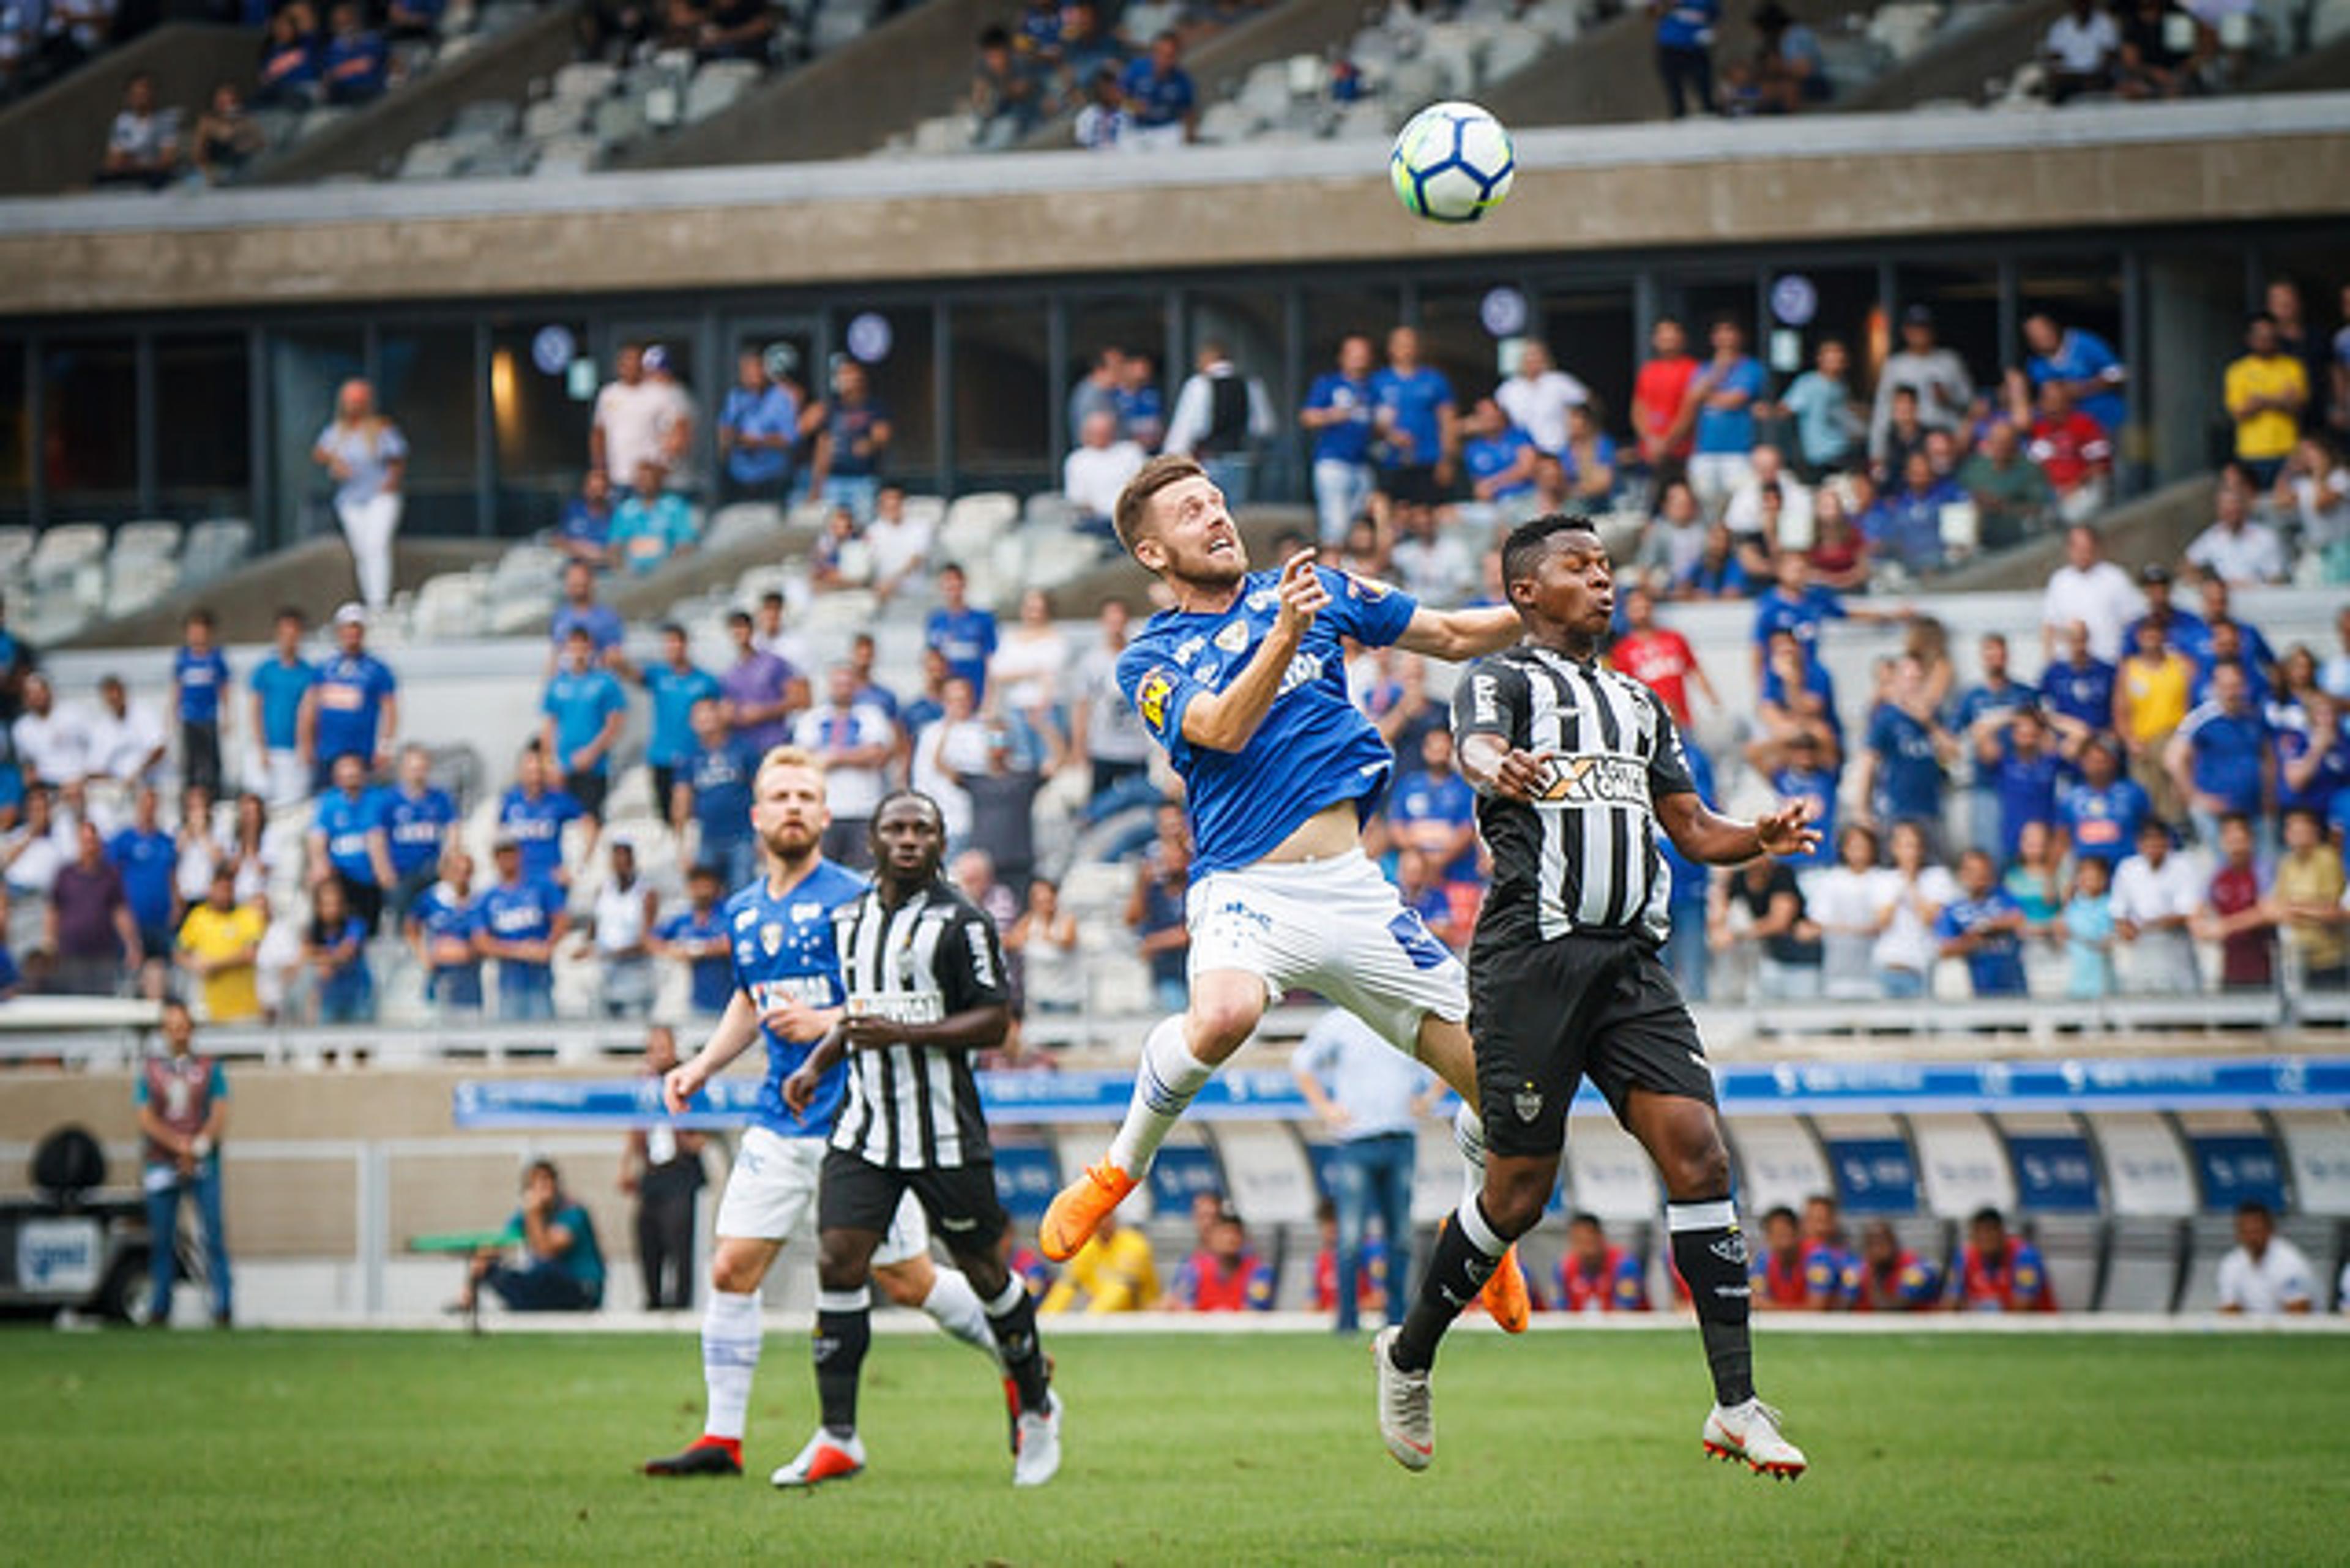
1163	1088
729	1354
1468	1137
954	1306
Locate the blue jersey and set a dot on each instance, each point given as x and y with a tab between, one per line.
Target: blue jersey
1423	797
965	639
2103	824
2332	778
2083	357
1731	430
2027	789
536	823
147	863
2083	691
442	913
712	979
1412	404
602	623
1908	773
770	412
348	822
1349	440
1799	616
351	690
520	911
281	686
1687	24
2226	751
1996	967
1976	701
720	778
784	948
580	701
675	693
1691	879
1154	99
1489	455
416	825
1816	789
202	677
1314	748
1817	682
2182	629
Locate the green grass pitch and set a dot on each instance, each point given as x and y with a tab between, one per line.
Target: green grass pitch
1560	1448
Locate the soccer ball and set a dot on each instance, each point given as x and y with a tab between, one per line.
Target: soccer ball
1452	163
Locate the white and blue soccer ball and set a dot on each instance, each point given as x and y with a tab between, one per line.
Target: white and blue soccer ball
1452	163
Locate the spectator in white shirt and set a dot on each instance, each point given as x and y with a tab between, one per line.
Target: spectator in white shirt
1913	894
1936	375
2266	1275
1538	397
953	743
638	417
1435	564
1097	469
2081	48
1221	418
855	740
142	145
898	545
2093	591
1744	511
126	738
2235	549
2157	893
52	742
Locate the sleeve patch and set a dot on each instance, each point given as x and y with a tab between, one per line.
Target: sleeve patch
1150	699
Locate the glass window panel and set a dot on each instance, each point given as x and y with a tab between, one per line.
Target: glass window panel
1135	324
428	390
895	349
538	419
1590	331
1454	339
1001	383
204	424
89	395
1250	327
306	367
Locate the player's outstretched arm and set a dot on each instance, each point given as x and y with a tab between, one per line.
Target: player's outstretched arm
1225	721
1711	839
735	1029
1461	634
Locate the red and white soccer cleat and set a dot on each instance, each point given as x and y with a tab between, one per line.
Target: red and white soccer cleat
1749	1434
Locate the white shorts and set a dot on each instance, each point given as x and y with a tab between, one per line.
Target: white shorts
770	1197
1335	926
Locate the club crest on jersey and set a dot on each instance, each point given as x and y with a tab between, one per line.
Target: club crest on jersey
1527	1103
1150	698
1188	649
770	938
1595	781
1233	637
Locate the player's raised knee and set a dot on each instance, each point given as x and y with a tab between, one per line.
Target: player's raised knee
1220	1023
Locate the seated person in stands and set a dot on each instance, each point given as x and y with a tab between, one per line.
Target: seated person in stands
1004	93
2265	1275
1905	523
1777	1273
2000	1272
289	74
651	526
404	19
2150	67
1596	1274
585	532
735	30
226	137
1224	1275
2080	51
1892	1278
1114	1270
356	61
142	145
550	1261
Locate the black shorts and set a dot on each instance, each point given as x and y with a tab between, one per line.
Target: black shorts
855	1194
587	786
1547	1015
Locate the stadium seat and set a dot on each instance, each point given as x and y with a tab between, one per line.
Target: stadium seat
584	81
1777	1162
432	158
1961	1168
2142	1268
550	118
1609	1174
147	539
214	548
449	607
15	550
62	551
2072	1248
2317	1159
133	585
743	523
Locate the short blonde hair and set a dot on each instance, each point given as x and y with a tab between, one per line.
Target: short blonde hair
787	757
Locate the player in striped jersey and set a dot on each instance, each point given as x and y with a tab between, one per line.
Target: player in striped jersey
1577	767
925	982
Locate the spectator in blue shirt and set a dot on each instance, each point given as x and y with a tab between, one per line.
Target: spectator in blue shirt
1985	928
199	676
584	533
440	928
584	708
963	636
1725	391
534	814
147	858
2223	758
581	611
758	429
713	793
853	436
1685	52
288	76
281	685
2312	757
1982	709
2085	363
675	685
356	62
1339	411
348	843
2019	760
1716	572
1417	423
2181	629
353	707
1903	758
1162	105
1797	698
1829	425
1808	777
2077	683
2101	815
335	952
1795	605
1498	456
417	816
1686	952
1905	523
1434	811
696	937
519	922
652	524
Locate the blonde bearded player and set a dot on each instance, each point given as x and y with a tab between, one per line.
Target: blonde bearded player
787	991
1243	682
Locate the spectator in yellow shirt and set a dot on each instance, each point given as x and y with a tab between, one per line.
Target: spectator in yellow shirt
2266	391
2150	700
220	943
1114	1271
2305	900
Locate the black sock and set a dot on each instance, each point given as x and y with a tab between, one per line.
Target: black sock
1012	1317
844	1328
1710	1253
1467	1252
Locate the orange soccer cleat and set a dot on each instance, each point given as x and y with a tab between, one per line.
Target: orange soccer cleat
1506	1297
1078	1208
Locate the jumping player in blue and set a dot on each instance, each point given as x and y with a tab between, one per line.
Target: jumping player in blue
1245	683
787	992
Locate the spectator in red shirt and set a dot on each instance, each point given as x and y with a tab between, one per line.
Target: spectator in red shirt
1663	417
1778	1273
1839	552
2000	1272
1596	1275
1224	1275
1659	658
2074	451
2236	915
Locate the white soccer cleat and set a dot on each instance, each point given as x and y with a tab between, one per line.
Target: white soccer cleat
1038	1460
1405	1420
826	1459
1749	1434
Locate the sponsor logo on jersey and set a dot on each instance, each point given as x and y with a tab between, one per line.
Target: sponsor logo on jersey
1596	781
1304	669
1150	699
899	1006
1188	649
812	989
770	938
1485	699
807	911
1234	636
1263	599
745	919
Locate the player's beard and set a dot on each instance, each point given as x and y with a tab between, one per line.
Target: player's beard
790	843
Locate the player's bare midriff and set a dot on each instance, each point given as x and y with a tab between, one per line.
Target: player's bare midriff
1326	835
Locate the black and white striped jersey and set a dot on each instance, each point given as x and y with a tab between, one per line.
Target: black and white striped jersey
916	1108
1585	857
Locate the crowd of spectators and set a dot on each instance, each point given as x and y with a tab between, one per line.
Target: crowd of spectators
1122	92
2149	51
